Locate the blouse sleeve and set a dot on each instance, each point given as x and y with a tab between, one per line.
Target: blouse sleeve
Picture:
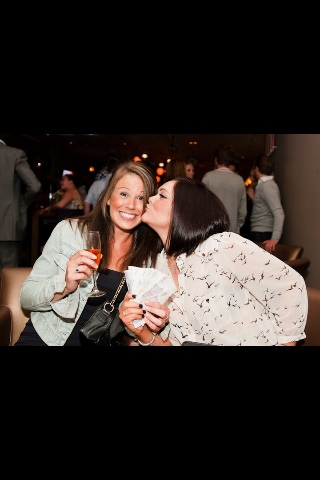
278	287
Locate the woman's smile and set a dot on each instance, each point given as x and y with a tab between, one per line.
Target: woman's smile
127	216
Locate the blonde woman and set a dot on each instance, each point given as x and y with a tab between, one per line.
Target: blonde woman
56	290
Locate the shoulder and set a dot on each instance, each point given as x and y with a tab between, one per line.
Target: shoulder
225	240
269	185
65	226
12	151
98	184
68	232
102	182
208	175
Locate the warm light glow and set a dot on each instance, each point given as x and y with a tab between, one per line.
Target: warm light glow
161	164
91	168
137	159
160	171
248	182
158	178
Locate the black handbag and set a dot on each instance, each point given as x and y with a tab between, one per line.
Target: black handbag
104	328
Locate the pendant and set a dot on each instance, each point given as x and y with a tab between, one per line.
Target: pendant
174	265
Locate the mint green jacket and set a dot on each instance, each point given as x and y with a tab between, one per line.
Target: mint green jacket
54	321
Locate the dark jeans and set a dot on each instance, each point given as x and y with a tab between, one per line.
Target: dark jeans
260	236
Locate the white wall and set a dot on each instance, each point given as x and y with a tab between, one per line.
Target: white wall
297	172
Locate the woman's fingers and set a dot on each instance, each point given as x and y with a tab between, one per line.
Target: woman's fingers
154	314
157	309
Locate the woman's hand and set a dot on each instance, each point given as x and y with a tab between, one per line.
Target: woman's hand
79	267
155	314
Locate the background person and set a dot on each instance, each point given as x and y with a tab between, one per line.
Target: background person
267	215
56	290
234	165
190	170
71	198
97	186
228	186
174	168
18	188
250	187
111	161
95	189
70	204
230	292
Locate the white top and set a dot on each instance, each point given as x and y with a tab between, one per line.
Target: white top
232	292
230	188
95	189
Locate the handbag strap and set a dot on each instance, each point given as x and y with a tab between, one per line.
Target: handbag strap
111	303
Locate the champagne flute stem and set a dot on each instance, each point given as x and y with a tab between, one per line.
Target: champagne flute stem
94	274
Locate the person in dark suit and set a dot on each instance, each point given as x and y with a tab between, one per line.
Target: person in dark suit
18	188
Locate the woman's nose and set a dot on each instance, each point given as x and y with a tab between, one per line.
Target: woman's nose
130	203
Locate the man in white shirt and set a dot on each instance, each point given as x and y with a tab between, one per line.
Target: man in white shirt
112	162
228	186
267	216
94	191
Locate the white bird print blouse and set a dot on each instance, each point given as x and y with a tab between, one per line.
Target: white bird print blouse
234	293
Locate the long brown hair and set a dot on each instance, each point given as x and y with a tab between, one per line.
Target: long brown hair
146	243
175	168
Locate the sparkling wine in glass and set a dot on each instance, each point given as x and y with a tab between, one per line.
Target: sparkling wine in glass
94	246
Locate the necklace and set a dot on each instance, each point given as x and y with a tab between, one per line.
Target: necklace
174	264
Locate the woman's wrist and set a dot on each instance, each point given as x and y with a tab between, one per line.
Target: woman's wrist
150	343
145	336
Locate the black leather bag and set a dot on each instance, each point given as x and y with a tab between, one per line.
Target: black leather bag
104	328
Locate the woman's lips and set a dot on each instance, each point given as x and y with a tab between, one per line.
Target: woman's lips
128	216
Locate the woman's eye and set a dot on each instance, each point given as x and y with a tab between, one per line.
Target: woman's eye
162	196
141	199
124	194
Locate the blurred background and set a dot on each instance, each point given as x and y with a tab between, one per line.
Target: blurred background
86	153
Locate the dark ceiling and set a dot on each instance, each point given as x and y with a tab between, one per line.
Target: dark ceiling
95	147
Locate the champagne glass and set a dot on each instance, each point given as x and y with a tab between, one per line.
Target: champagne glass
94	246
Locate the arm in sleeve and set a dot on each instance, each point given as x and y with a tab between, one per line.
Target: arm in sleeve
273	201
242	213
48	275
28	177
278	287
